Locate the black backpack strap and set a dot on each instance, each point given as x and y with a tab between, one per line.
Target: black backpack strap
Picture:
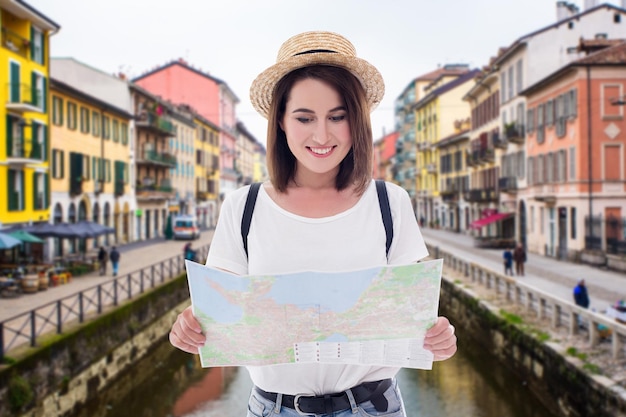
385	211
247	213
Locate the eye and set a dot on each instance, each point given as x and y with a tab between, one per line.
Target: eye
304	120
338	118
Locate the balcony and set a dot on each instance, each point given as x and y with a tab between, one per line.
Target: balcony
514	133
431	168
15	43
202	196
119	188
482	195
499	141
450	194
508	184
22	98
159	159
156	124
21	152
150	190
76	185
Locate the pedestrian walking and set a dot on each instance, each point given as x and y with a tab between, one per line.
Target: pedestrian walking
317	99
103	257
508	261
519	256
115	260
581	298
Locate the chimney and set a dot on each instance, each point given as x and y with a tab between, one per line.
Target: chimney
562	11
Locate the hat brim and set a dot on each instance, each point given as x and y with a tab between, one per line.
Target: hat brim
262	88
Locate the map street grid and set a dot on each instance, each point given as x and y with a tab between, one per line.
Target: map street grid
376	316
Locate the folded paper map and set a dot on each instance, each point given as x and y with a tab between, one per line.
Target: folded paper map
376	316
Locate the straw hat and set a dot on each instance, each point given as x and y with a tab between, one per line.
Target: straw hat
312	48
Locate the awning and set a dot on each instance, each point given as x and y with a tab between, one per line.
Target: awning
490	219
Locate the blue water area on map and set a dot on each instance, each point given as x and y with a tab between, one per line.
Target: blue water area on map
336	337
215	305
323	289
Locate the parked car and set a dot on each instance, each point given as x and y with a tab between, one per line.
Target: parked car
186	227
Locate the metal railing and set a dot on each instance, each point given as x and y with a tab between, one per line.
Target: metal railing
557	312
58	315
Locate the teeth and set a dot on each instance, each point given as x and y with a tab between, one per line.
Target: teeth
321	151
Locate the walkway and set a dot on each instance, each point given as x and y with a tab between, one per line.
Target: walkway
134	256
548	274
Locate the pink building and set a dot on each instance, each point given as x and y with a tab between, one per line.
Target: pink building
211	97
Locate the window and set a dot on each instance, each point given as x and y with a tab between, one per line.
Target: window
532	219
519	74
38	85
57	111
124	128
15	187
521	158
37	42
71	115
106	127
57	164
95	127
541	219
573	99
503	87
549	113
116	131
530	120
511	81
40	191
572	163
572	218
549	168
86	167
539	170
84	120
540	130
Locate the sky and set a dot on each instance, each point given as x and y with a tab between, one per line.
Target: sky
235	40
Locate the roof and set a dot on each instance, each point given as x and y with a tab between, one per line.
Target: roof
68	89
521	41
446	87
24	10
453	138
611	56
182	63
448	69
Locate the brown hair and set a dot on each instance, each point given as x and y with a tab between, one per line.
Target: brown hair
356	167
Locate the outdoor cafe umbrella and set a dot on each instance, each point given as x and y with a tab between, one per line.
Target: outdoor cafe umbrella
25	237
7	241
94	229
59	230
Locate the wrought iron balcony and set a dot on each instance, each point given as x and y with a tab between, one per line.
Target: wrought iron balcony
507	184
21	151
156	124
162	159
15	43
481	195
22	98
514	133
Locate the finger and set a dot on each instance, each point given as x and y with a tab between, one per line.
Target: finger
182	345
190	320
440	326
189	335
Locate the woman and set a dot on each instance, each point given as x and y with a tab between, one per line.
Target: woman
318	212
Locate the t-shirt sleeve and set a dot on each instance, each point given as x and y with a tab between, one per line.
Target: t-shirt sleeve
408	244
226	250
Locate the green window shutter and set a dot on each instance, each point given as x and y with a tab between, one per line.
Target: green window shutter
45	145
46	191
23	193
10	181
62	153
9	135
35	205
35	147
34	96
15	82
44	97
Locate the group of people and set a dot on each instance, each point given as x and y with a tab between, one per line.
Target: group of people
104	257
319	211
517	256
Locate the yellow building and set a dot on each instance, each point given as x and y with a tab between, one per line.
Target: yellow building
24	154
435	117
90	163
207	171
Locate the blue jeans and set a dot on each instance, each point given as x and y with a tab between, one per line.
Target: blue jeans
261	407
116	266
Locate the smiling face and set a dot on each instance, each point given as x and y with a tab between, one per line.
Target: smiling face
317	128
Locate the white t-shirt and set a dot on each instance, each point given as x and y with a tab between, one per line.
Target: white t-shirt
282	242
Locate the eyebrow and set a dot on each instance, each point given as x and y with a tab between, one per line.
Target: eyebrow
303	110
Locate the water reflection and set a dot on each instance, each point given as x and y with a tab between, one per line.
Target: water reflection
170	383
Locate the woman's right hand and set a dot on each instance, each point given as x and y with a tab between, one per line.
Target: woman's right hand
186	333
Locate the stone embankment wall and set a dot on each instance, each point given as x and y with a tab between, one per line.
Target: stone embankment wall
67	371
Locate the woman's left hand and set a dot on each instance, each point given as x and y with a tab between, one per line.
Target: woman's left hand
440	339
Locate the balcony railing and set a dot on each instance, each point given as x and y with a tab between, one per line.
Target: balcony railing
26	150
23	98
15	43
156	123
158	158
481	195
514	133
499	141
507	184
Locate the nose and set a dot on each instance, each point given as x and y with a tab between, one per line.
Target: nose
322	132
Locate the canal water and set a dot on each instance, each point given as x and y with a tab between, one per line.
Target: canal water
170	383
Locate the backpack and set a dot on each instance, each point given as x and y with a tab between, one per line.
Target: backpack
383	201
